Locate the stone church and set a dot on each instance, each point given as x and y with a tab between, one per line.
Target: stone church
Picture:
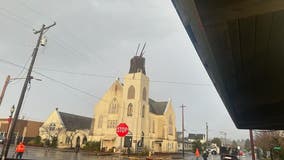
151	123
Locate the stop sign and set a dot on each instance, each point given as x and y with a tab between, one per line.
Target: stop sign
122	129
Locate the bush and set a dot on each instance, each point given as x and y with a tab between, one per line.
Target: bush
35	142
54	142
92	146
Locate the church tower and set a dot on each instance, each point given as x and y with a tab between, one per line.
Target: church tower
135	99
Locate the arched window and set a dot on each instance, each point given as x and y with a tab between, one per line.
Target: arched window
113	107
100	122
170	129
131	92
130	109
84	140
144	94
153	130
143	111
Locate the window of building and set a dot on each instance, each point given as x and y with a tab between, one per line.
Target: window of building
130	109
111	123
153	129
100	122
144	94
150	125
143	111
131	92
170	129
113	107
84	140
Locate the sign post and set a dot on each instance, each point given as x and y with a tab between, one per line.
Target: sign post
122	130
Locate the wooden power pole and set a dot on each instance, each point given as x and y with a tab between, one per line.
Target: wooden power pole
28	78
4	88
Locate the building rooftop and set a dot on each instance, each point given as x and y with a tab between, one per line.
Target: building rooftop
157	107
73	122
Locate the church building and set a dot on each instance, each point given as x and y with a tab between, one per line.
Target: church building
151	124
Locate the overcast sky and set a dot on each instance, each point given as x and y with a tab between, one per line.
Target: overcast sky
97	39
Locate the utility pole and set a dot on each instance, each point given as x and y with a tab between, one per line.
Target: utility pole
182	123
251	144
28	78
4	88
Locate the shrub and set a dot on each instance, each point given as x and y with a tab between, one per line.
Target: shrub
92	146
35	141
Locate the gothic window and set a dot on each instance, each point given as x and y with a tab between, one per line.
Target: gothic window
130	109
113	107
150	125
100	122
143	111
111	123
170	126
131	92
153	130
84	140
144	94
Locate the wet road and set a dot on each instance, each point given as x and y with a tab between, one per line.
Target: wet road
41	154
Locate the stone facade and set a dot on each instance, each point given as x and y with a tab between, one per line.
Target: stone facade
69	129
151	124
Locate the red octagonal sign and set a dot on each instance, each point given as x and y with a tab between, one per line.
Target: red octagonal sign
122	129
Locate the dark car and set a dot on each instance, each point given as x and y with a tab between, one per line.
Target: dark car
228	153
2	139
229	157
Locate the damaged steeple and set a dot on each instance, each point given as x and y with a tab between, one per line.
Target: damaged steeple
137	63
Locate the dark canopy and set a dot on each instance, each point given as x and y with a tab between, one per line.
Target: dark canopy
240	43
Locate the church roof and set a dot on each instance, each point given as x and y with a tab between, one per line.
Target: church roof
73	122
157	107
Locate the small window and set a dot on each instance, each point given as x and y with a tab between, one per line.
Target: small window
144	94
100	122
111	123
170	126
131	92
113	107
130	109
153	130
143	111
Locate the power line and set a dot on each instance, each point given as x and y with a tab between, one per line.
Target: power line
108	76
55	80
69	33
69	86
33	10
15	17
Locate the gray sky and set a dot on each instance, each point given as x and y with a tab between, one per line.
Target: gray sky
99	37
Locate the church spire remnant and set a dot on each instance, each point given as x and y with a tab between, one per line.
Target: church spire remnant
137	63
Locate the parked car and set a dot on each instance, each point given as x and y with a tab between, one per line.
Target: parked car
228	153
2	140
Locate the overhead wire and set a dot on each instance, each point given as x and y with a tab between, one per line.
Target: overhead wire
61	42
15	17
55	80
109	76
